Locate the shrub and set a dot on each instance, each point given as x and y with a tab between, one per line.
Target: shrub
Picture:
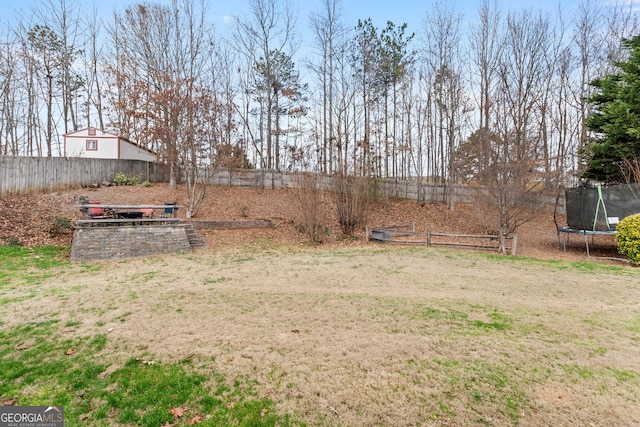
308	203
122	179
628	238
12	241
244	212
353	197
60	226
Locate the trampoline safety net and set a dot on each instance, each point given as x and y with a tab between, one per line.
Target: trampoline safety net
599	208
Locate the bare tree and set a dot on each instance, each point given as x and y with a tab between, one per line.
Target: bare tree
10	90
443	55
46	47
396	58
62	17
268	28
328	35
509	190
94	72
485	47
508	161
160	58
586	35
365	60
630	170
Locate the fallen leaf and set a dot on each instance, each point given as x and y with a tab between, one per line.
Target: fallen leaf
196	420
71	351
295	331
231	405
22	346
10	402
264	412
69	329
177	412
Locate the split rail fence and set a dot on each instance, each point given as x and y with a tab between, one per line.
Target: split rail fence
407	234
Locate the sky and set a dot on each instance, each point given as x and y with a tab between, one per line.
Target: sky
412	12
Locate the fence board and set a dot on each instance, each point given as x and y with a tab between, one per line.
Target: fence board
23	175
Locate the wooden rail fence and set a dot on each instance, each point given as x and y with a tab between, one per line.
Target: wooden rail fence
407	234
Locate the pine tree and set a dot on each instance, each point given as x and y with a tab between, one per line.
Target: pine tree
615	120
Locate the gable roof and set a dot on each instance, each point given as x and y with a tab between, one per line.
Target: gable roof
104	134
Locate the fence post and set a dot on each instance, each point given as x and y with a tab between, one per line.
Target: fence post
514	244
428	237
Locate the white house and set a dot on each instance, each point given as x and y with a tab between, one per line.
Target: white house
97	144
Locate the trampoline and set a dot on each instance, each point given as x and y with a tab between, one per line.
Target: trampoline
594	210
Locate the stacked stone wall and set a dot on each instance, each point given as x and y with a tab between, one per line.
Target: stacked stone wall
122	242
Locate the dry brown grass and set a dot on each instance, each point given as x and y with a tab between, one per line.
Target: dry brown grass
373	335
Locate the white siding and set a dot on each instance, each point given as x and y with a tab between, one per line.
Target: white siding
132	152
109	146
76	146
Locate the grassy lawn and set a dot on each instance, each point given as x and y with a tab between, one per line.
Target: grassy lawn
290	336
42	367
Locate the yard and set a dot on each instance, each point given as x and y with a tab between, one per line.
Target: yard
333	336
264	328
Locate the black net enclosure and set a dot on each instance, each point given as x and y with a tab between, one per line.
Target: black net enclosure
600	207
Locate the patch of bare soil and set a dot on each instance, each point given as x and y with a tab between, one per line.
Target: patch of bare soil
30	218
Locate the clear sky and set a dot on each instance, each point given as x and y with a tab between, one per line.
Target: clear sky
413	12
380	11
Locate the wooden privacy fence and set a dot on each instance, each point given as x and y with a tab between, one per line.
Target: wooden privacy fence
406	234
412	189
23	175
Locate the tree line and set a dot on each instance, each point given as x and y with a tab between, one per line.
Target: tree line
439	103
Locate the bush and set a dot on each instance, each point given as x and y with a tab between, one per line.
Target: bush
12	241
353	197
308	203
122	179
628	238
60	226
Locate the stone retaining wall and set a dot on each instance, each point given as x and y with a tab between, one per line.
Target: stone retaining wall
232	224
108	243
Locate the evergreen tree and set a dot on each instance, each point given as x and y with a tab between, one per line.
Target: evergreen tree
616	121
